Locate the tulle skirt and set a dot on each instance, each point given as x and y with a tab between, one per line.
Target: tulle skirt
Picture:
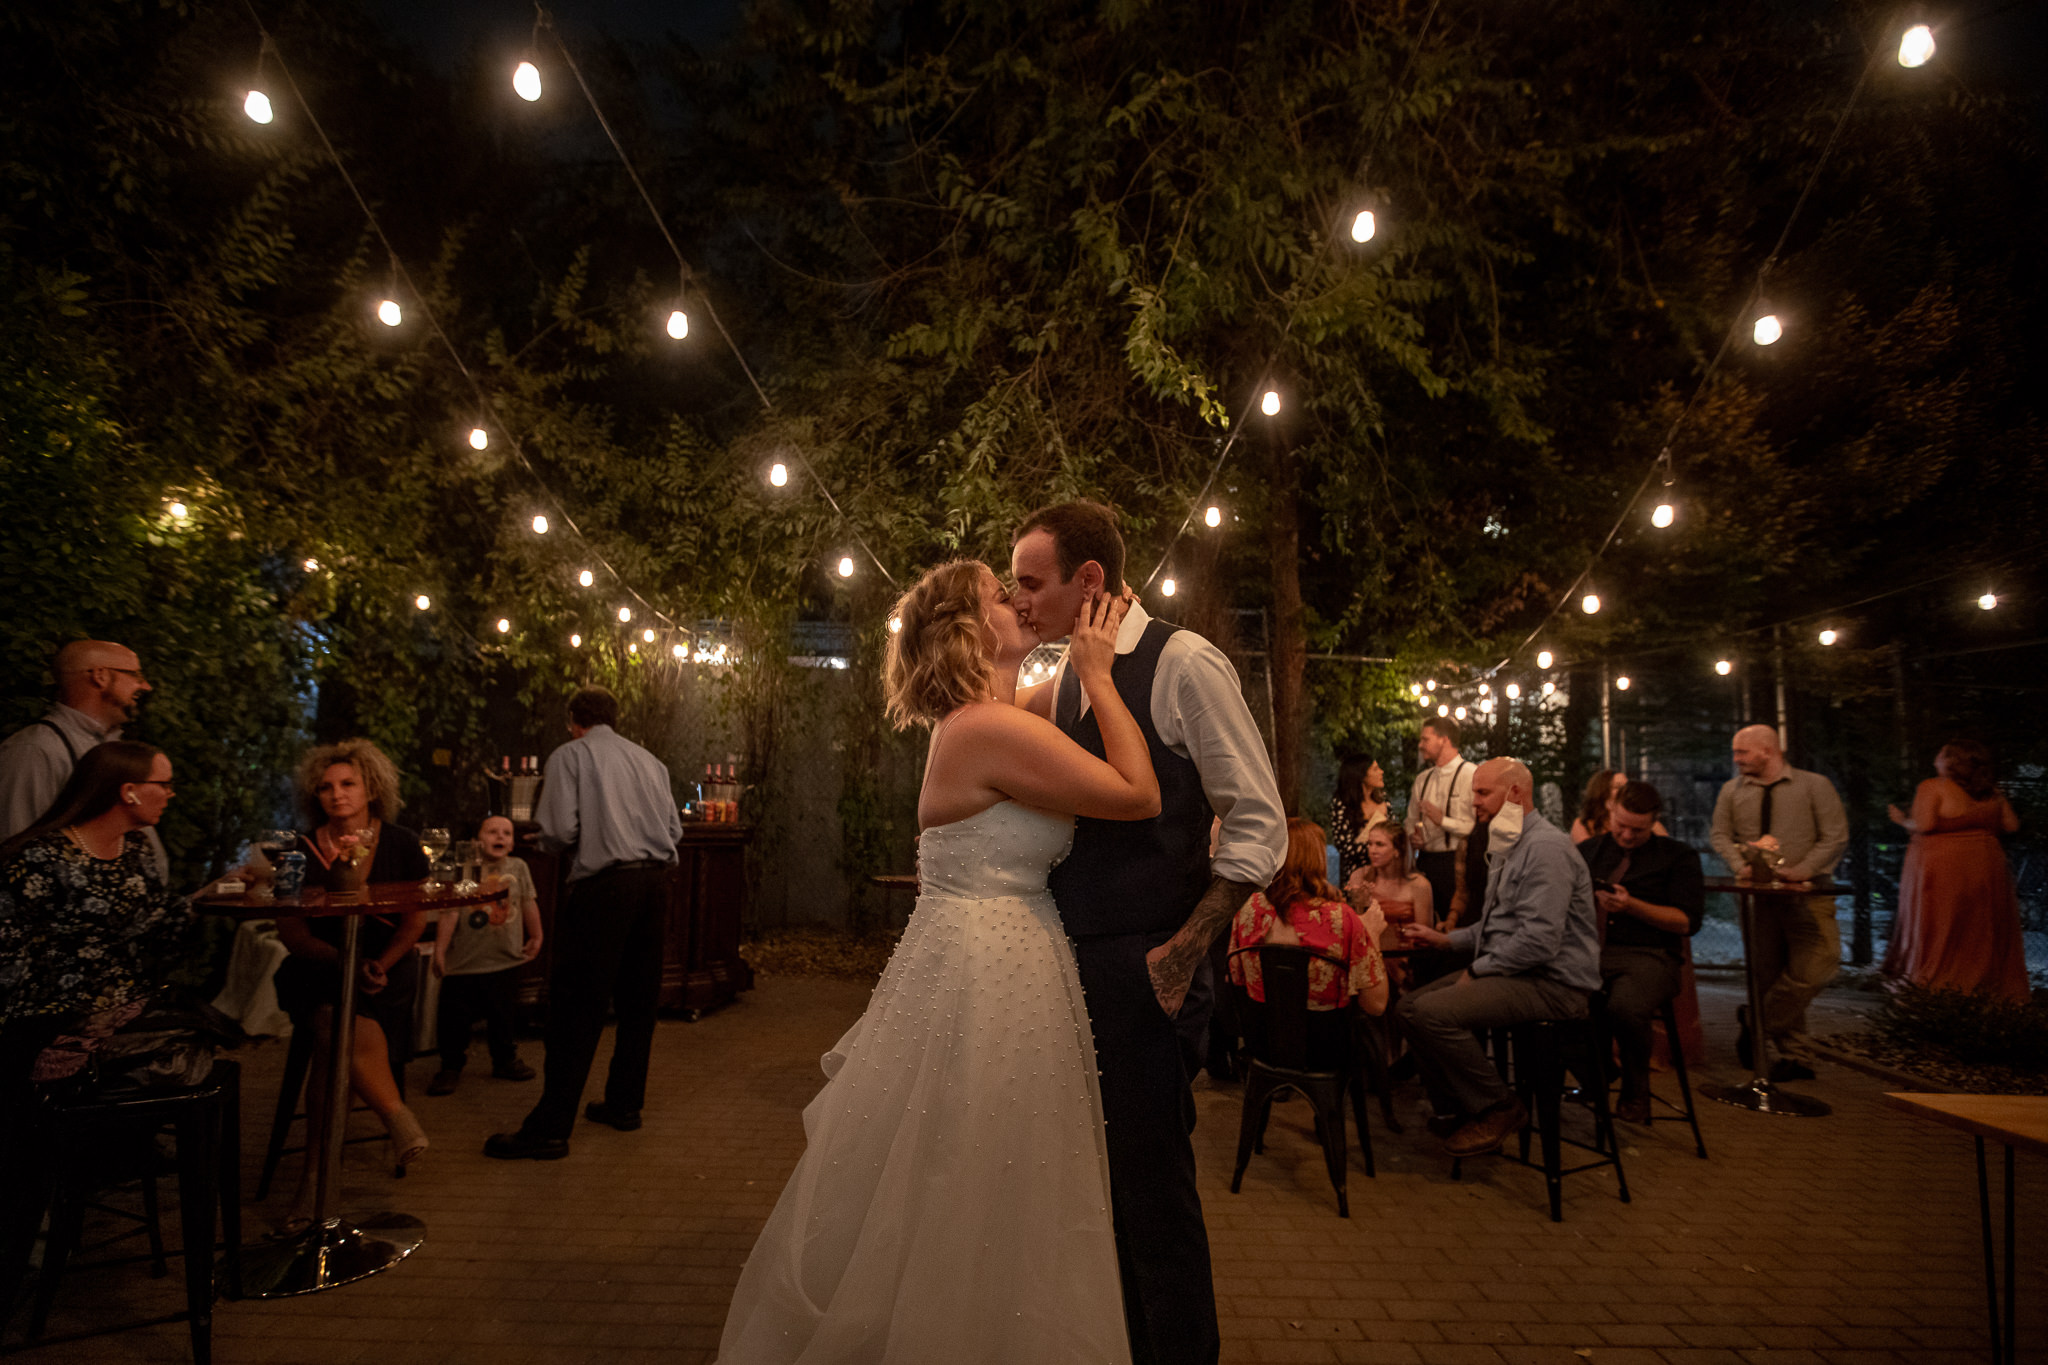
952	1202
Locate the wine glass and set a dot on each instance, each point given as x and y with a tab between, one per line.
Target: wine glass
469	854
434	843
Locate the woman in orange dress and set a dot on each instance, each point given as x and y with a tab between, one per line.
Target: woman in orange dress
1390	881
1958	926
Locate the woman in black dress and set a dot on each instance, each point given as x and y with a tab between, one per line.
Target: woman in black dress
350	793
1360	805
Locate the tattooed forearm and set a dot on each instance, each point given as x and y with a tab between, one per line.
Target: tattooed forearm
1173	963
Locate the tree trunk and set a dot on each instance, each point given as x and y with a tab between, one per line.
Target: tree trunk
1287	650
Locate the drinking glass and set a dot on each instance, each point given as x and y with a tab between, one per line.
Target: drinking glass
470	854
434	842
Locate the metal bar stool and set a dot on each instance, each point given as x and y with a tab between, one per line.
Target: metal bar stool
1535	1059
1688	1112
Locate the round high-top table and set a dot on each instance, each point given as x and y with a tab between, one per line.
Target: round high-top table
1758	1094
337	1249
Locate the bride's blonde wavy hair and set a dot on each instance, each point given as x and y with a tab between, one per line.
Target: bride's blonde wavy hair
937	661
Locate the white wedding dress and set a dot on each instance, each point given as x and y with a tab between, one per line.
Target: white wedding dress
952	1202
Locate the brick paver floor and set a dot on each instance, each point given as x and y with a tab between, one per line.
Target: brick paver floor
1851	1240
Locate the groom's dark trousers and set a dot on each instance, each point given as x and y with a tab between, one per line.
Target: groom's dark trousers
1126	887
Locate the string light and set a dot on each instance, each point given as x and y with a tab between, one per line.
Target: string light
389	313
1544	658
1723	667
1270	404
540	525
1443	710
625	615
311	566
1622	683
632	647
1548	688
1663	516
1986	602
178	511
1415	688
423	601
1365	225
1916	45
1431	684
1768	329
680	651
648	635
778	474
1828	637
586	578
846	566
1486	706
526	81
575	642
1590	603
1213	517
1458	714
257	106
1167	588
678	324
504	626
1514	691
478	438
1484	689
895	625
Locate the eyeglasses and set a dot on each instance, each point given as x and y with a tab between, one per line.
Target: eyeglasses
170	787
134	673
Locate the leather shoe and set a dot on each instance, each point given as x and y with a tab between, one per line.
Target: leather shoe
1785	1069
444	1082
1633	1109
520	1147
1489	1130
625	1120
1745	1052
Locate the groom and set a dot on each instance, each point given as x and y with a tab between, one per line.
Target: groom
1142	901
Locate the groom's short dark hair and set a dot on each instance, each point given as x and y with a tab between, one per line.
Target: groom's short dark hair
1081	530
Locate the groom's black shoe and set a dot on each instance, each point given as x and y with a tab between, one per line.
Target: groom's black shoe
520	1147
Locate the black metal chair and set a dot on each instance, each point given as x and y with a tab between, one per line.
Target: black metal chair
206	1120
1533	1058
1277	1034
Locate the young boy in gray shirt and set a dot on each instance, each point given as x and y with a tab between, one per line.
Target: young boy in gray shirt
478	951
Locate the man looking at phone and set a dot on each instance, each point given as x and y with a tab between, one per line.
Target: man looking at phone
1651	896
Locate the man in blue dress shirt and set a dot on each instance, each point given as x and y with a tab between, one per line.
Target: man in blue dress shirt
610	800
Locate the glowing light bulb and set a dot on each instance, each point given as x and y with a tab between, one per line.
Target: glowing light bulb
478	438
586	578
1514	691
1167	587
1364	226
389	313
1723	667
778	474
680	651
648	635
1544	658
1431	684
1828	637
423	601
1590	603
575	642
1486	706
1270	404
526	81
1621	683
1458	714
1916	45
1484	689
311	566
625	615
1988	601
1548	688
678	324
178	511
1415	688
1768	329
504	626
1663	516
540	525
1214	516
1443	710
896	628
257	105
633	647
846	566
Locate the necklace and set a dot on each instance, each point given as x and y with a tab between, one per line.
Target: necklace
71	833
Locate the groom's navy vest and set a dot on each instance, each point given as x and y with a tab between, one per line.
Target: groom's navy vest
1134	876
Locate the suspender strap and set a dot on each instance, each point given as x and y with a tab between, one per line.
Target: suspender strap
65	739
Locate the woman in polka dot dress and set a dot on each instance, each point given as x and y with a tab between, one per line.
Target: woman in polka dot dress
952	1202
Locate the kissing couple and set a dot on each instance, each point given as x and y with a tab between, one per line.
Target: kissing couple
999	1167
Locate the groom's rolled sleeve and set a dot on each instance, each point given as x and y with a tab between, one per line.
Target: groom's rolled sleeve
1202	712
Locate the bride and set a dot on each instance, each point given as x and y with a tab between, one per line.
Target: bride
953	1198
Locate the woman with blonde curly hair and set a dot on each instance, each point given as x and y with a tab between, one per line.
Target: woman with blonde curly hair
349	793
955	1186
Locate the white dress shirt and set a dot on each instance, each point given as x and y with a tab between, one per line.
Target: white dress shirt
1199	712
1447	786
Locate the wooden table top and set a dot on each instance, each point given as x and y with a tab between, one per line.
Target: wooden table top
2017	1120
378	898
1756	888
